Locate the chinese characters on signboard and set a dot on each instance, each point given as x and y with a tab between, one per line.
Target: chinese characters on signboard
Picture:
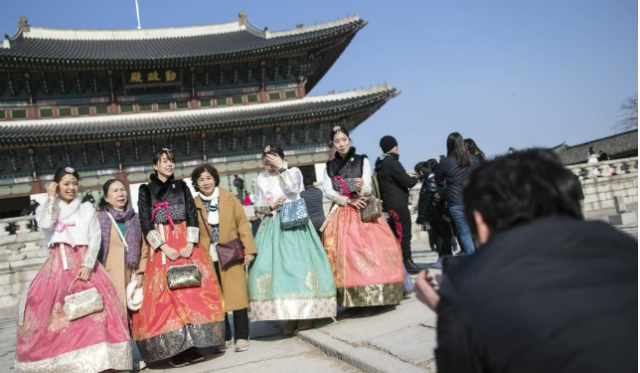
155	77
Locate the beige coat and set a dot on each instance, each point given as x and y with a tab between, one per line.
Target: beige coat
233	224
116	268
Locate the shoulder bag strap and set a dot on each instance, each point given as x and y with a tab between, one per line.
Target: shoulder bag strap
126	247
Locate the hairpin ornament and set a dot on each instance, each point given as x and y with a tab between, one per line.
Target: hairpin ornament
267	149
167	150
69	170
337	128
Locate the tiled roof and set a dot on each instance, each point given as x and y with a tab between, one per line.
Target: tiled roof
621	145
234	40
39	132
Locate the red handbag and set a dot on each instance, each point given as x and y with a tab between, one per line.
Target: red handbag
229	252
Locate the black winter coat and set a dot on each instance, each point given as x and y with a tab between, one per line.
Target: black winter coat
555	295
455	177
429	208
394	182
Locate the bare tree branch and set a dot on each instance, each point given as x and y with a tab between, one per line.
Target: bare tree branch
629	113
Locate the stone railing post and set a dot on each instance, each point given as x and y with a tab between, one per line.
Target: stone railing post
4	229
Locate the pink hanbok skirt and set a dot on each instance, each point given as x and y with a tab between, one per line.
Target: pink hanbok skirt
47	341
366	260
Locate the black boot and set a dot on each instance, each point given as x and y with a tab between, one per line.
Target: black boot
411	267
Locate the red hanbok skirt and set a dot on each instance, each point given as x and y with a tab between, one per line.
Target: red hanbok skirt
172	321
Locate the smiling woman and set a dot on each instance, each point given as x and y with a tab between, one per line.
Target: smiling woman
173	323
50	337
122	249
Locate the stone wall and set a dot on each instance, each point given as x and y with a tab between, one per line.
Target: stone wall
604	180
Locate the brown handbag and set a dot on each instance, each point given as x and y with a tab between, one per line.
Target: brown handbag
229	252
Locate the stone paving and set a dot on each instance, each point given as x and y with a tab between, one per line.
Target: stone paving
399	340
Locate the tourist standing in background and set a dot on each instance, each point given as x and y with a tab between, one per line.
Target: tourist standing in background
313	199
238	183
291	279
221	219
365	256
473	149
454	171
89	198
431	210
174	323
395	184
47	340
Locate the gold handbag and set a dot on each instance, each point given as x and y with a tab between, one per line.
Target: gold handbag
372	210
184	276
82	303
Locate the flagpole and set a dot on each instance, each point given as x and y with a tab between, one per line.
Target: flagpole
138	15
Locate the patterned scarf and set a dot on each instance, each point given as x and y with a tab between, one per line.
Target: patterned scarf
211	205
133	234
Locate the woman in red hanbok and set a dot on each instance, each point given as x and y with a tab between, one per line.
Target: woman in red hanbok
47	341
174	324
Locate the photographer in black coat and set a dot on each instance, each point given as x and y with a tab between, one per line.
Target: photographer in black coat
546	291
395	184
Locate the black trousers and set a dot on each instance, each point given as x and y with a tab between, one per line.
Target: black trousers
240	318
400	222
441	235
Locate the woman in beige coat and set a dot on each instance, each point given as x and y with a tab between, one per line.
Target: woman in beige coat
221	219
123	251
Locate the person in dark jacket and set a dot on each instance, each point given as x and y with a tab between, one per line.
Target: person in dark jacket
431	209
395	183
546	291
313	199
88	198
454	171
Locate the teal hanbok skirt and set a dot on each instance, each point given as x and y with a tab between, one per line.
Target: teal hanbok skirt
291	277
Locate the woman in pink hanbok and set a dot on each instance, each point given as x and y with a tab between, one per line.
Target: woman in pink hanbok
365	256
47	341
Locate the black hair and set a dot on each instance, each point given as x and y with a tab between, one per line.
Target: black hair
273	149
336	129
307	180
103	204
591	150
519	188
455	146
195	175
157	156
60	172
473	149
430	166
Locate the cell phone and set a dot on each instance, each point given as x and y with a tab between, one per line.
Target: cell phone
449	262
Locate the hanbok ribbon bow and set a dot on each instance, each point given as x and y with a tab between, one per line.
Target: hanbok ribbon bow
157	206
60	227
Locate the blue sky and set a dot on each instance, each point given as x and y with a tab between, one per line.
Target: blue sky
505	73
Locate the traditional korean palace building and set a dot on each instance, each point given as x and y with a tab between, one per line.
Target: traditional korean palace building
102	101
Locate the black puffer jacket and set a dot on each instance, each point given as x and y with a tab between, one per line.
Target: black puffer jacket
455	177
393	181
429	208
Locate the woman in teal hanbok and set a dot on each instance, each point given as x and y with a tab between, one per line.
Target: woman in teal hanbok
291	277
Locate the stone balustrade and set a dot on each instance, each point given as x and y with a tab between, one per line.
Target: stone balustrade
602	181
